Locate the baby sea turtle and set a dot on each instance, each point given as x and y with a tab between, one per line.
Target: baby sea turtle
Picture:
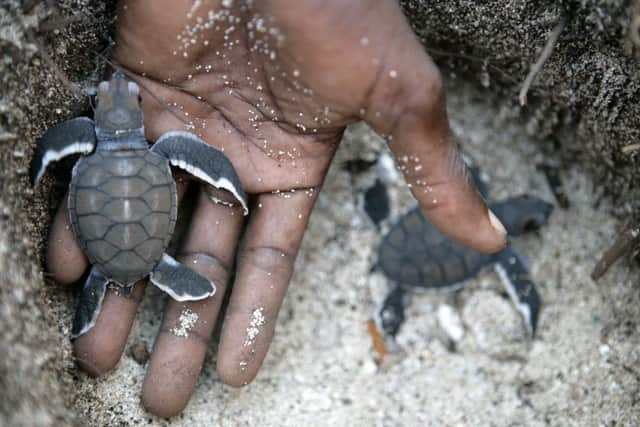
415	254
122	196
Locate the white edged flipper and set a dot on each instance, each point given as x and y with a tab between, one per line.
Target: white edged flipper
518	284
188	152
89	303
181	282
390	315
75	136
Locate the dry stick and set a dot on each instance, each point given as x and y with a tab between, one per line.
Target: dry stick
624	243
544	56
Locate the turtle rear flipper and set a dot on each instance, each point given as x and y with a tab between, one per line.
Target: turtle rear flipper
201	160
180	282
75	136
390	314
89	303
518	284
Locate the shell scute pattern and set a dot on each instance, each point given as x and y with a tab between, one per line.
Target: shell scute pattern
131	167
154	226
135	186
123	206
96	226
415	251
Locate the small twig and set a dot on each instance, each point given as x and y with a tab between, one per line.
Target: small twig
544	56
628	149
626	240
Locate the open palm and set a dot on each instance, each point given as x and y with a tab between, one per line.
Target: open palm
273	84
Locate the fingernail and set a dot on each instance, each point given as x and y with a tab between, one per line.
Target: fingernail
495	222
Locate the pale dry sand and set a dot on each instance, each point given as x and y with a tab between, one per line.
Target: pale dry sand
583	368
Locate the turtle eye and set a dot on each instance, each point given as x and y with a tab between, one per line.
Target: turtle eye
103	86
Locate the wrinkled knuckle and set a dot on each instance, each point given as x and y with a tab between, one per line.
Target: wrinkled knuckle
269	259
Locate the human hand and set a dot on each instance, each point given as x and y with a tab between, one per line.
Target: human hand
274	87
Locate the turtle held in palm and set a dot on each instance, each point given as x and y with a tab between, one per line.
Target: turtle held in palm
415	254
122	196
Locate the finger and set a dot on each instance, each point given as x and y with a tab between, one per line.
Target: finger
180	348
65	260
100	348
265	265
407	105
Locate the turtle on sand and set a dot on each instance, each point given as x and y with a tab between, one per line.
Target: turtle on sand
414	254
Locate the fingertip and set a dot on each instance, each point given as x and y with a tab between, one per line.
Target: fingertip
166	395
233	373
94	356
499	232
464	217
99	350
492	243
487	237
160	406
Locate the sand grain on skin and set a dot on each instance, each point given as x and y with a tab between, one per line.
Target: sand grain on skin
186	322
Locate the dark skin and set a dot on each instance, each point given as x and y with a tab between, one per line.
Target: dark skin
275	95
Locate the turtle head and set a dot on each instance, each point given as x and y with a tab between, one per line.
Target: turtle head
118	111
523	213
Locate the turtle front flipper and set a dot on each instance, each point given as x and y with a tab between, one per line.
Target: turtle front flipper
516	279
89	303
180	282
188	152
75	136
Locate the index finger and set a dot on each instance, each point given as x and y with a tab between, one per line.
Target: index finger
408	105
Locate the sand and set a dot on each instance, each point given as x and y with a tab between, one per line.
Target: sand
582	369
